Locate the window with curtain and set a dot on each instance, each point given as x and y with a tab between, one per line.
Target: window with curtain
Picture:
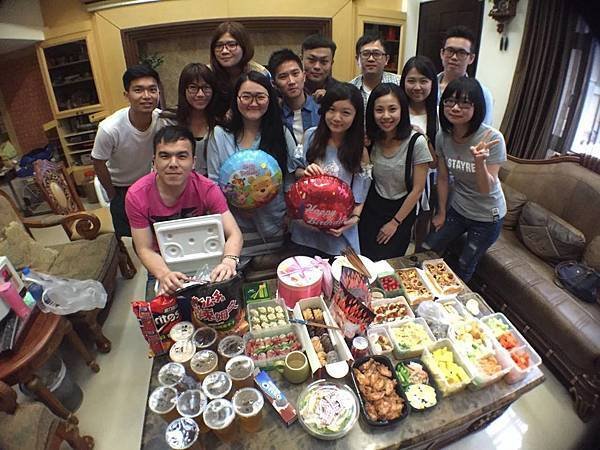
586	138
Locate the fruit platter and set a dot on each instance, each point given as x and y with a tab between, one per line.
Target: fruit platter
389	283
447	367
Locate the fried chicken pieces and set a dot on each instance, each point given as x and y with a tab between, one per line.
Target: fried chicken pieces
378	388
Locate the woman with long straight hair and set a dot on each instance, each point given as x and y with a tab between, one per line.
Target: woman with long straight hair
231	53
400	157
335	147
196	107
420	84
255	124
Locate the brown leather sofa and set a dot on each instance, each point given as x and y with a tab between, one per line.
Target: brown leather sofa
563	329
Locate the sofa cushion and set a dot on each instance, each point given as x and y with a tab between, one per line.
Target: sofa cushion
548	236
31	427
515	200
85	260
22	250
526	284
591	256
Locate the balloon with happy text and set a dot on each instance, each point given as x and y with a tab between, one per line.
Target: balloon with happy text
250	179
323	201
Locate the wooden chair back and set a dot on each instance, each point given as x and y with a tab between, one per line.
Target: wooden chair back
57	187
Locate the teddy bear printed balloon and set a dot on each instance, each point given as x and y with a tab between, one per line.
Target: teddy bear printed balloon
250	179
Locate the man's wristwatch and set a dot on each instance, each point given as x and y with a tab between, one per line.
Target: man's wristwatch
235	258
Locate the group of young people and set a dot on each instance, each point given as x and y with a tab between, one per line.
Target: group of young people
393	139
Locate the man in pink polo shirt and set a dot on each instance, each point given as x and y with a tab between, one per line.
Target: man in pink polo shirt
174	191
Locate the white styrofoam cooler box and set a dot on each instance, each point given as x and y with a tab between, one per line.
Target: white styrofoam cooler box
188	244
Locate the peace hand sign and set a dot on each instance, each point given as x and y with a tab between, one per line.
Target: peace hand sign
481	151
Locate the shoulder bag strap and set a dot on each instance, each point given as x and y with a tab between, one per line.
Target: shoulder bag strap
408	168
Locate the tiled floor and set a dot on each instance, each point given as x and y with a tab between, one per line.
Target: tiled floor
114	399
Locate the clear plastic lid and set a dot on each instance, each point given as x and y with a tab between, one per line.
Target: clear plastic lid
240	367
204	337
204	361
248	402
219	414
171	373
192	403
162	399
182	331
182	433
182	351
231	346
216	385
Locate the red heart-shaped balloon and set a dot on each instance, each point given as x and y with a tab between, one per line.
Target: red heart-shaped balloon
323	201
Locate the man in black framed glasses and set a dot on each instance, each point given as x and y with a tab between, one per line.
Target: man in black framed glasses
457	53
372	57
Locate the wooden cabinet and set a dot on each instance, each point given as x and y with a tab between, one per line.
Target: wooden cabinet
69	73
77	134
390	26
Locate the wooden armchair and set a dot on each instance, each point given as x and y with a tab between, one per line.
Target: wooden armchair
32	426
94	257
60	193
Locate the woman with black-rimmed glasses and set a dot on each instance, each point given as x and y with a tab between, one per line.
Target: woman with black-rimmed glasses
255	124
196	107
231	53
472	153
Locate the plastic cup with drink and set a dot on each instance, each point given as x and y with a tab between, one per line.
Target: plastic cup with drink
219	416
241	370
162	401
248	404
203	363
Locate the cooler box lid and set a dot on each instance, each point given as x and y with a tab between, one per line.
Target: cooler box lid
188	244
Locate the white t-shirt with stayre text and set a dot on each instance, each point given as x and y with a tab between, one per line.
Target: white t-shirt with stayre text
126	150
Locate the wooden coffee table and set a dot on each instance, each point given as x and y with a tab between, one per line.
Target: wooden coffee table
452	418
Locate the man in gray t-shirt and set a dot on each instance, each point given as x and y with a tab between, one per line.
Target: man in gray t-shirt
466	199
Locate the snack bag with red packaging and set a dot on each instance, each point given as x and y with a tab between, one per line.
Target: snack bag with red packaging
156	318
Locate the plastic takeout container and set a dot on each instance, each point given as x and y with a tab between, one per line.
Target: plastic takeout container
431	382
516	373
255	309
468	298
391	301
412	297
272	334
403	353
373	334
446	388
386	362
454	287
394	292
